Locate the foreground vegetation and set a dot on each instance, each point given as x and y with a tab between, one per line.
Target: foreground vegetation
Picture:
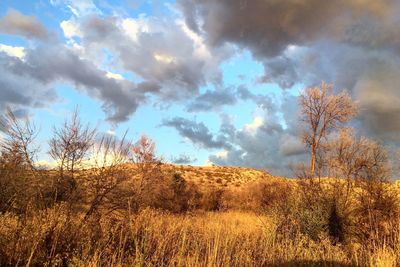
110	202
154	238
269	222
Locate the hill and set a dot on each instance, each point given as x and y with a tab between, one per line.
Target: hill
218	176
205	177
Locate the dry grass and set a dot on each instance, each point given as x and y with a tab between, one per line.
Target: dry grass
154	238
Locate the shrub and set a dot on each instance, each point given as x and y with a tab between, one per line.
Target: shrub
179	195
213	199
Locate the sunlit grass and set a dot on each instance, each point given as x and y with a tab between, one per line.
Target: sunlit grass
153	238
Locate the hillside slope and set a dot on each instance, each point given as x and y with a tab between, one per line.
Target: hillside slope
218	176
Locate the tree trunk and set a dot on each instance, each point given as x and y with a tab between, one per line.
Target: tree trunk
313	160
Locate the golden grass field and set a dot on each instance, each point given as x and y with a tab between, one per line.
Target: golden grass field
242	232
153	238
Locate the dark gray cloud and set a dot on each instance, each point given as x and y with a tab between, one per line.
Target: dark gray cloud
267	27
19	90
16	23
379	98
197	133
212	100
291	145
280	70
190	14
183	159
263	101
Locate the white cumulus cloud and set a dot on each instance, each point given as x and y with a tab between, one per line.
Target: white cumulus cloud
14	51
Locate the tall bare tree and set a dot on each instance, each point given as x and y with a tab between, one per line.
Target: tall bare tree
322	112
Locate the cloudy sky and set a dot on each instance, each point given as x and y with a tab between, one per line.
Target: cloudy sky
211	81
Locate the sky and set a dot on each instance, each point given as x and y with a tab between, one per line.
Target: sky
210	81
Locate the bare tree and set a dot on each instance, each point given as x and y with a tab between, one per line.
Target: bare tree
108	171
360	192
17	161
19	138
377	209
355	158
69	147
322	112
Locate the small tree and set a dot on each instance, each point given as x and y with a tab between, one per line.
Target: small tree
180	194
19	138
378	208
360	194
108	171
150	179
17	157
69	147
323	112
